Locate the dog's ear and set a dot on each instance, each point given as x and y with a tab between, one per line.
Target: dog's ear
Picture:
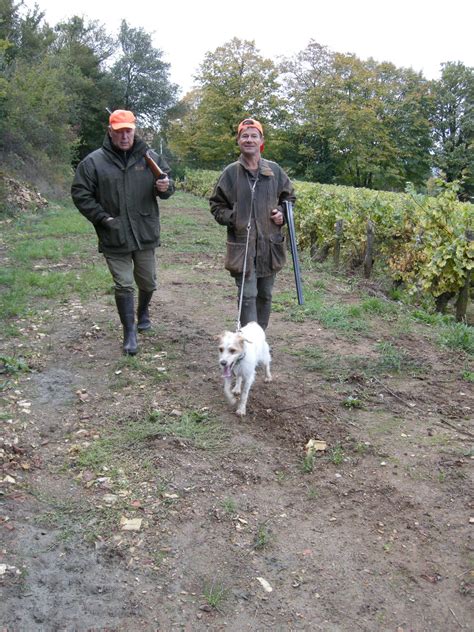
244	339
222	335
250	342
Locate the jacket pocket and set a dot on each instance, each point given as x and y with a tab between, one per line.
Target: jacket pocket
234	258
277	252
149	228
112	236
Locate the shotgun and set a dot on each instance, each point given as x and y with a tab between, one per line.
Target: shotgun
154	168
294	249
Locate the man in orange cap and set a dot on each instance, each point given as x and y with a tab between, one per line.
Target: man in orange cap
116	191
248	199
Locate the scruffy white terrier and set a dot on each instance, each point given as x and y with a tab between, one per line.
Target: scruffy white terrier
239	355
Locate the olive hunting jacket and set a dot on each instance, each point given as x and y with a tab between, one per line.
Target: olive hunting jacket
233	204
107	184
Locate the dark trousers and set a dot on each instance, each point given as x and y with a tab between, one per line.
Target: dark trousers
256	299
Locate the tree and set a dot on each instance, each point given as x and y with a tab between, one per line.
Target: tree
27	35
305	146
37	110
453	125
233	81
34	108
84	48
142	78
357	122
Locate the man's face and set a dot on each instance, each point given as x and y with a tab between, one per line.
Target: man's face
122	138
249	141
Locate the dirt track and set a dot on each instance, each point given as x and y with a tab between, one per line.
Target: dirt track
373	535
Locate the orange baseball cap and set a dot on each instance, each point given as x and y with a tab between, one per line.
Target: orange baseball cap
120	119
249	122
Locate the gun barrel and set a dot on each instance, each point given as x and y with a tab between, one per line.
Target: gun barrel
294	250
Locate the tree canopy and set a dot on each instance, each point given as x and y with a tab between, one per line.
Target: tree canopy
328	117
233	82
453	125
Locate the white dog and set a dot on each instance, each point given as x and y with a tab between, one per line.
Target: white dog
239	354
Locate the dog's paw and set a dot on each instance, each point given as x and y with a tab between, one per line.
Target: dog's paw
268	379
241	411
236	390
231	400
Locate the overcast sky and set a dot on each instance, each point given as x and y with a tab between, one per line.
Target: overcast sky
418	34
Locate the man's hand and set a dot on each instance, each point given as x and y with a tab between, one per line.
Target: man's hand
277	217
162	184
112	223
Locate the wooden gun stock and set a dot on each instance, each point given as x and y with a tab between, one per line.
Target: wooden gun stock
157	172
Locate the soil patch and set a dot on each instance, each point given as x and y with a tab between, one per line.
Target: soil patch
135	499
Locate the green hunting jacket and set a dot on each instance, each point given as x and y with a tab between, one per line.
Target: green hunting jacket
111	183
231	203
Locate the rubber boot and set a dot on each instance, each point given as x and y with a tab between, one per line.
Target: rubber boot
264	307
143	317
126	312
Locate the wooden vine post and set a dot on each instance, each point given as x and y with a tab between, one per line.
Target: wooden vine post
369	250
339	226
462	300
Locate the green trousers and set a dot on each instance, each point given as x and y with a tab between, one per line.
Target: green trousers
138	266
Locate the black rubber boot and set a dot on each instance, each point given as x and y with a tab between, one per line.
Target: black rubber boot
143	317
264	308
126	310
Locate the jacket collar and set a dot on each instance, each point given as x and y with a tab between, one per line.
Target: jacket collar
137	151
264	168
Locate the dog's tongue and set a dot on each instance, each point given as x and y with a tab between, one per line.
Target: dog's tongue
227	371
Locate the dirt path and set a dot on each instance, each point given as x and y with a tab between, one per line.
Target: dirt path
134	499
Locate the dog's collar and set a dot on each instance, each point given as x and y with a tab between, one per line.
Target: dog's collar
241	357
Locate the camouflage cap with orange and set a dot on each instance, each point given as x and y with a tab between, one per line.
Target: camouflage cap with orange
121	119
249	122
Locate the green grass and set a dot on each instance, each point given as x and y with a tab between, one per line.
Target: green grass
352	402
307	465
458	336
312	493
430	318
186	200
229	506
450	334
361	448
388	358
50	248
196	234
379	307
215	594
262	538
315	359
22	286
13	365
349	318
57	235
55	221
385	425
10	368
144	364
197	427
336	455
391	358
